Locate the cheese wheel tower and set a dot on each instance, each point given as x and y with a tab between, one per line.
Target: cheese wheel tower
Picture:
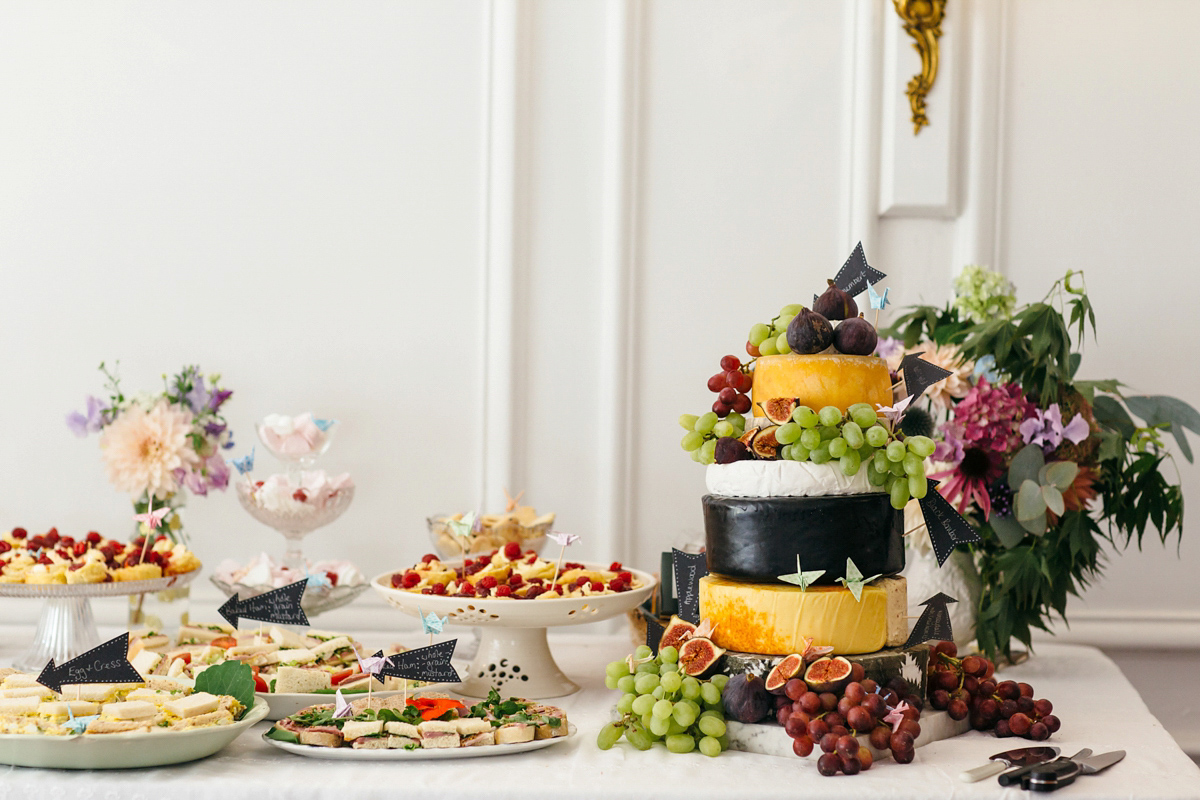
768	513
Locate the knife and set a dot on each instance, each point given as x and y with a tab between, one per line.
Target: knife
1048	777
1016	776
1023	757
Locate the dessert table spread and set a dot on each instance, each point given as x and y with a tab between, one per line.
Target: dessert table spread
1098	706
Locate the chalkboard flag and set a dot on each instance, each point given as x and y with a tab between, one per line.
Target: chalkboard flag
934	624
108	663
430	663
279	606
946	526
689	568
853	276
919	375
654	630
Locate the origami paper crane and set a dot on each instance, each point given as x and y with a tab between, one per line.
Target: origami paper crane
854	580
800	577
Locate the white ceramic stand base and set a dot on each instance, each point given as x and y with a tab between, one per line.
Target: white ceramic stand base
769	739
516	662
65	629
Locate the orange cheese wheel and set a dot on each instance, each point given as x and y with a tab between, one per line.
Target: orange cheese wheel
821	380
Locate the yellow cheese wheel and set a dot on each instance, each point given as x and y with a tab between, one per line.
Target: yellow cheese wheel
775	619
821	380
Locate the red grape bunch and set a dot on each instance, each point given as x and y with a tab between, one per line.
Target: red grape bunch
966	687
732	386
888	715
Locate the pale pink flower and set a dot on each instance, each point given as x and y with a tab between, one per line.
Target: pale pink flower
141	449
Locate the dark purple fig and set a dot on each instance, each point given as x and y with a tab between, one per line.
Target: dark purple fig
730	450
855	337
809	333
835	304
746	700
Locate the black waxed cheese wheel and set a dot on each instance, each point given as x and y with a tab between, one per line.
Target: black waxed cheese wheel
758	538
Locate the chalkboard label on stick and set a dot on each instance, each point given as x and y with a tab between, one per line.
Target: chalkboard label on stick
277	607
430	663
947	527
106	663
689	568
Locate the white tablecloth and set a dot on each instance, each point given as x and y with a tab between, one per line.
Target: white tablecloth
1098	706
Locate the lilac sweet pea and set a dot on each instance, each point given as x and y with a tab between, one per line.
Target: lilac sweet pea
218	472
199	397
1045	428
81	425
218	398
888	348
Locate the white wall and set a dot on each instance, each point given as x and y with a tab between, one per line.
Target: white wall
506	242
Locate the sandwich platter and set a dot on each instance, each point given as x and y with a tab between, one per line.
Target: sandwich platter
287	704
123	750
350	754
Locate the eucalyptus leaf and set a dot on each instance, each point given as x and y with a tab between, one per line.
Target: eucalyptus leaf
1110	413
1060	474
1025	465
1029	502
1036	526
1053	499
1007	530
1158	409
1112	445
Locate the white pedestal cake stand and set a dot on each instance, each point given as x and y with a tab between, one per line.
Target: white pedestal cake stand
66	627
514	656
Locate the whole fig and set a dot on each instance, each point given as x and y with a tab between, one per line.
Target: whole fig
855	337
809	332
746	699
730	450
835	304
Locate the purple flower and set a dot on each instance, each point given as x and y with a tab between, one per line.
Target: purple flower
81	425
1046	428
949	450
198	397
888	348
218	398
218	472
214	428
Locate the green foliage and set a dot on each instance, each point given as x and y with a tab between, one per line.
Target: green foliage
1029	563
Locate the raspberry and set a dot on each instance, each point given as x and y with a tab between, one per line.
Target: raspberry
616	585
581	580
408	580
439	588
503	591
5	546
67	541
466	590
532	559
425	559
332	577
427	590
93	537
515	580
19	533
300	495
396	580
63	553
537	581
572	565
487	582
625	576
597	586
614	566
258	484
51	536
35	543
512	551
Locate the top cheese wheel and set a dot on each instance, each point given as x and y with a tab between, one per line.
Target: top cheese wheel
821	380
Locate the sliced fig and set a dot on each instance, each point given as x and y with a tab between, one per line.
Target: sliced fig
676	633
779	409
748	437
765	445
828	674
746	699
699	655
784	671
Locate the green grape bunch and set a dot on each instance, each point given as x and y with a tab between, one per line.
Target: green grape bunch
659	703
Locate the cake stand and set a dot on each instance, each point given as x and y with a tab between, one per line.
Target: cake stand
514	656
66	627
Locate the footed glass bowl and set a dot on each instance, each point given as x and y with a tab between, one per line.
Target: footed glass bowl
449	545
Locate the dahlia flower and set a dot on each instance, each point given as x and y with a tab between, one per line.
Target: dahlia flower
142	449
984	430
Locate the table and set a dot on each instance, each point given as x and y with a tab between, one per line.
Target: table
1081	682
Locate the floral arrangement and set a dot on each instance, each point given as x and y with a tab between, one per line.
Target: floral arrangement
1045	465
157	445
